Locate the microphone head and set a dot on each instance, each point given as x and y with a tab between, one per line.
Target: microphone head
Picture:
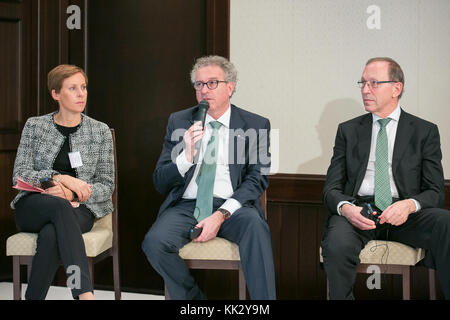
203	107
203	104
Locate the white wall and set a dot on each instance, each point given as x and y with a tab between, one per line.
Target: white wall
299	60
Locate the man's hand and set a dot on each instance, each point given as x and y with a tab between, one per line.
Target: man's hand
191	136
398	212
354	216
211	226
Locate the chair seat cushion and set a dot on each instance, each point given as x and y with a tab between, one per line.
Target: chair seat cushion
99	238
21	244
389	252
96	241
214	249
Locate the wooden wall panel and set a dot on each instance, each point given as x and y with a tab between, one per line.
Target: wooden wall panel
56	45
139	57
218	23
15	53
10	66
34	40
295	247
7	224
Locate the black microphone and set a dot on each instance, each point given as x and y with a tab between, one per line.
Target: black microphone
203	107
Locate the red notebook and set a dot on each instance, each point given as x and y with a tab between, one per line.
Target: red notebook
22	185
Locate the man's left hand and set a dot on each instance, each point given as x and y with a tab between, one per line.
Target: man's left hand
398	212
211	226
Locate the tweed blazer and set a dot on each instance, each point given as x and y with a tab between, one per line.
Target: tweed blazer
40	144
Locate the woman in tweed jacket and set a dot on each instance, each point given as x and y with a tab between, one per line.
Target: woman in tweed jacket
76	151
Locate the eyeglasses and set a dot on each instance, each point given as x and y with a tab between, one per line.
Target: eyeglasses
211	84
372	83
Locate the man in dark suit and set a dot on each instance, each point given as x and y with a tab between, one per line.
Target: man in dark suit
392	160
240	162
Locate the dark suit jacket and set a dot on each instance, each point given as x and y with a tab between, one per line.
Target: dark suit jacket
416	162
247	158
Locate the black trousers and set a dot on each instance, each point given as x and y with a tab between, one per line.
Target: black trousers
342	243
59	227
245	227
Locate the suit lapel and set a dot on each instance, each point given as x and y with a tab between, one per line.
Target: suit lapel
402	137
364	134
236	123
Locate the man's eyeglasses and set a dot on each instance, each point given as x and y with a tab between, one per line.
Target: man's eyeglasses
372	83
211	84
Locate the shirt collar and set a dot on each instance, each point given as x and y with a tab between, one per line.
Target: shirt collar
224	119
395	115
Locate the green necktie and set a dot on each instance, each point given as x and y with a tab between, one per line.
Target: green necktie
383	196
206	176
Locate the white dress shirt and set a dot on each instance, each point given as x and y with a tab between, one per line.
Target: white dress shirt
222	183
368	184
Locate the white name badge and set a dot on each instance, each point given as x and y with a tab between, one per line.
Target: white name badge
75	159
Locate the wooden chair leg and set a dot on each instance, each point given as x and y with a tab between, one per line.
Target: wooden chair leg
432	283
406	278
28	272
17	286
328	290
166	293
116	275
91	270
242	285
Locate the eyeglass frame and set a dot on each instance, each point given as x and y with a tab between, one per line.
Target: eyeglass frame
362	84
207	83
